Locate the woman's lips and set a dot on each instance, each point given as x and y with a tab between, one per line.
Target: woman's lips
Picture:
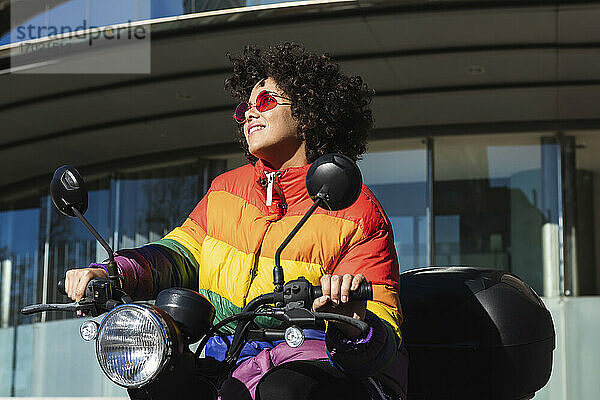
255	128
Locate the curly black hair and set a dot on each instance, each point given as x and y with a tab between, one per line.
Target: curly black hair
332	109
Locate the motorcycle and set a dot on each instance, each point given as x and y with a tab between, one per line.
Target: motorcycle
470	333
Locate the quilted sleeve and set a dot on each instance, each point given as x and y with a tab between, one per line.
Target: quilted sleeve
372	255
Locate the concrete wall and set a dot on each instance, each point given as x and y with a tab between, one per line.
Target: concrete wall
576	358
52	361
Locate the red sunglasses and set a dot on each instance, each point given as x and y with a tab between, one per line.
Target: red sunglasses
265	101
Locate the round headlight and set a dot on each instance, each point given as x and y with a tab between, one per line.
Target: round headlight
133	345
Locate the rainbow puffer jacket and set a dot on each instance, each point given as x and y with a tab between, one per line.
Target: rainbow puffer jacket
226	249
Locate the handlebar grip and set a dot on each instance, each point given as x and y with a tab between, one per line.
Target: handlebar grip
60	286
364	292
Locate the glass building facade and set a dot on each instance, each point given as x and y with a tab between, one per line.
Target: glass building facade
38	245
519	202
524	202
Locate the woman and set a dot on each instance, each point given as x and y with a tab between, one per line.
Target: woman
295	107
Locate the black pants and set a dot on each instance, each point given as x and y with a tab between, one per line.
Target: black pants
304	380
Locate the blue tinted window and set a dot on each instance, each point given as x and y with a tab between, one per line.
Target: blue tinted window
488	206
398	179
19	228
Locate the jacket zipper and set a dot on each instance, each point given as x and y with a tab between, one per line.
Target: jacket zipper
270	178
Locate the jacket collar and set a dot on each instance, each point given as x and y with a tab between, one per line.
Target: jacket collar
291	181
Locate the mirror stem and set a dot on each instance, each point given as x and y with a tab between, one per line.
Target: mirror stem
113	274
278	279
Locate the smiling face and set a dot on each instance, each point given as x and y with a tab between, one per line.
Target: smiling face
272	135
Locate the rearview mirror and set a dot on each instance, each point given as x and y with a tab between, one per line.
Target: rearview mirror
335	179
68	190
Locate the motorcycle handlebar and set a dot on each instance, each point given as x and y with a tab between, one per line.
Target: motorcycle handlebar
364	292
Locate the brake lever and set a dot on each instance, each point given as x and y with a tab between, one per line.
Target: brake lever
94	304
362	326
295	314
37	308
85	306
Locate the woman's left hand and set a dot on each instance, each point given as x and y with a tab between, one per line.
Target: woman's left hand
335	297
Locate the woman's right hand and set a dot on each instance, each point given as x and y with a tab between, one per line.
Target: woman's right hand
76	280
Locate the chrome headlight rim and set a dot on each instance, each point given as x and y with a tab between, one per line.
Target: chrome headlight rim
168	336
